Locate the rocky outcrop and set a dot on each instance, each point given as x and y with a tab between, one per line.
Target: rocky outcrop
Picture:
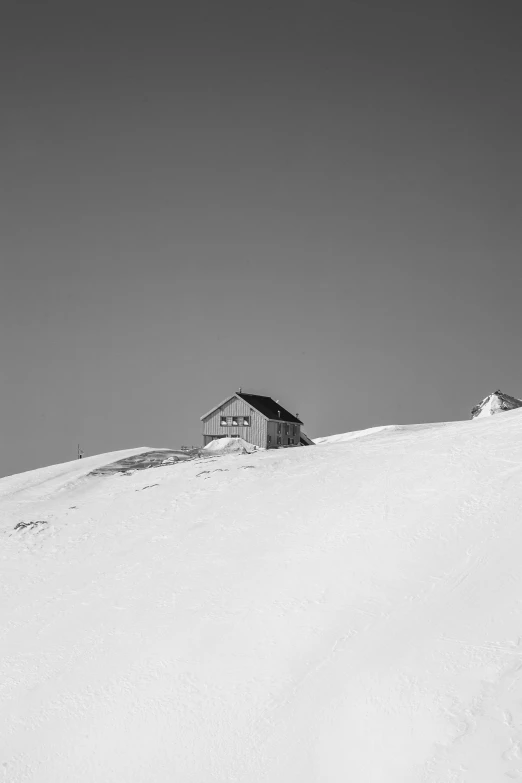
498	402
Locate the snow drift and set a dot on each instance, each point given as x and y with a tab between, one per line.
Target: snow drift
385	429
345	613
343	437
230	446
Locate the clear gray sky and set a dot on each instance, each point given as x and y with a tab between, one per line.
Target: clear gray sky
320	202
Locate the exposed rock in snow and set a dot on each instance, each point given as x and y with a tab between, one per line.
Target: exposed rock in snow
152	458
230	446
498	402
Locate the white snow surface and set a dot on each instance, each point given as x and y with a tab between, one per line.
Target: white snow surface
230	446
490	406
343	437
384	429
346	613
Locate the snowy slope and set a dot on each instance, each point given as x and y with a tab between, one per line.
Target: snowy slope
41	482
345	613
343	437
385	429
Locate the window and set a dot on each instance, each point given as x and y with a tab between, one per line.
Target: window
269	440
278	440
279	428
286	429
292	430
235	421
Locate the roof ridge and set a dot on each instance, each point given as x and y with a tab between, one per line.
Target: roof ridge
272	409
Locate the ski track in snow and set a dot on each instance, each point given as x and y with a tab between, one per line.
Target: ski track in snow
350	611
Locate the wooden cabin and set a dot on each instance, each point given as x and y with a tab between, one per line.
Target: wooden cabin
257	419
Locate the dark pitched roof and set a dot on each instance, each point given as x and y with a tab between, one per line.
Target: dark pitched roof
268	407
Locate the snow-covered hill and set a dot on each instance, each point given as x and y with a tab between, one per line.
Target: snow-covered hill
343	437
348	612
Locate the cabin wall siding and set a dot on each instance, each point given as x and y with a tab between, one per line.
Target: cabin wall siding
285	439
255	433
271	432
